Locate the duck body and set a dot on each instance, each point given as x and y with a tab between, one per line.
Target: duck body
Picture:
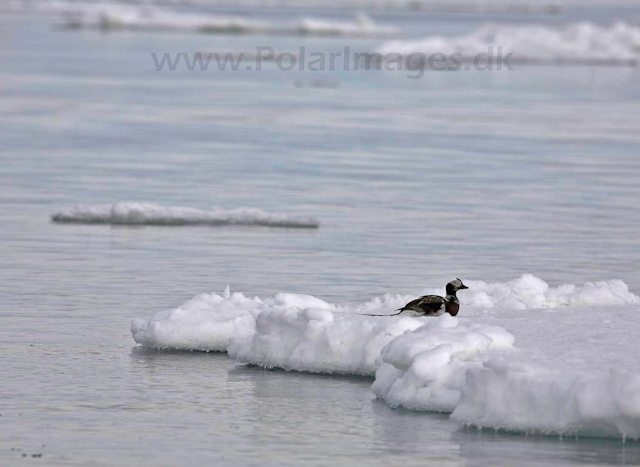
435	305
431	305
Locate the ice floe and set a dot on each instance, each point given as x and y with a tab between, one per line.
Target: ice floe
583	42
152	214
521	355
473	373
457	6
319	340
113	17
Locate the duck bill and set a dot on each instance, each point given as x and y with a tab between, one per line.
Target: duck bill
462	287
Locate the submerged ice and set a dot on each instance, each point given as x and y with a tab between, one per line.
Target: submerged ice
521	356
152	214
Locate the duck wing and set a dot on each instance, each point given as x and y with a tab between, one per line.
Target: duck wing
427	304
431	304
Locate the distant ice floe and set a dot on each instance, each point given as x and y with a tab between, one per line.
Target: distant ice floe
575	43
114	17
573	375
457	6
152	214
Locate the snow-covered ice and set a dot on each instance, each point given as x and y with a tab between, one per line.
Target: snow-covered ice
291	331
425	369
207	322
473	373
521	355
321	340
110	16
529	292
458	6
582	42
152	214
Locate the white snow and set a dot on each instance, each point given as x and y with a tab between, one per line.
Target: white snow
521	355
473	373
319	340
524	398
152	214
207	322
290	331
529	292
582	42
425	369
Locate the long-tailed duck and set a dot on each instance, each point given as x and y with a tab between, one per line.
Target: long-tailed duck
434	305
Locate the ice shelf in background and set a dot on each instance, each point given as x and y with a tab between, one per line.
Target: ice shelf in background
574	43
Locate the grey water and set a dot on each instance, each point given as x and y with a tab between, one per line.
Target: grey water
479	175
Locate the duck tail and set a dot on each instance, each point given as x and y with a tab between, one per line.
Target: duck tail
399	310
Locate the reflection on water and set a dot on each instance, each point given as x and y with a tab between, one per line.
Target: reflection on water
482	447
320	415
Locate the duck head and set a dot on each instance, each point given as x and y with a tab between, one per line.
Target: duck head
454	286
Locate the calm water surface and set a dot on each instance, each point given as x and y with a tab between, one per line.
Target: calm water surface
478	175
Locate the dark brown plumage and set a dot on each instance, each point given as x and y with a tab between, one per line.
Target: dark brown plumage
425	305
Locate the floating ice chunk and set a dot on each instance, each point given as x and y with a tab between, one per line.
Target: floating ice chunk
319	340
363	25
574	43
113	17
290	331
425	369
207	322
152	214
534	400
211	321
568	378
453	369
